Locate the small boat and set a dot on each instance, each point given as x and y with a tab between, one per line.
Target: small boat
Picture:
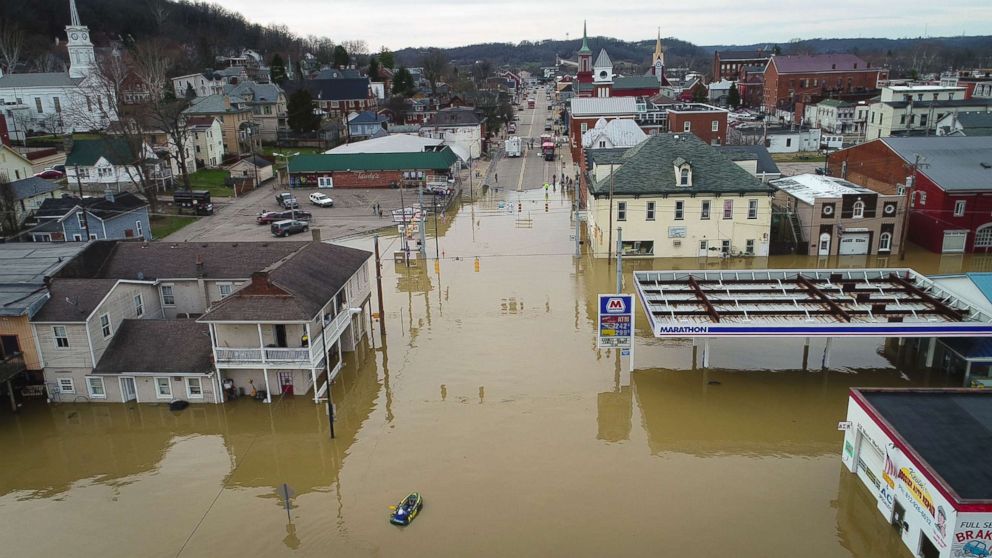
407	509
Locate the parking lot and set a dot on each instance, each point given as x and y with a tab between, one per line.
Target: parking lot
235	219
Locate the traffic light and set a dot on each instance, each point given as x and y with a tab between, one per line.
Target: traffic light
477	264
545	207
520	207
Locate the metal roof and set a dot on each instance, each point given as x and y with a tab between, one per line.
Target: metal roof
621	132
396	143
953	163
804	303
603	60
606	106
48	79
821	63
23	268
808	187
326	162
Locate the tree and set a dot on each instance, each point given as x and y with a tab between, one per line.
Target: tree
190	93
340	57
403	82
11	41
277	70
399	106
373	69
300	114
699	93
387	58
734	96
435	67
9	218
776	50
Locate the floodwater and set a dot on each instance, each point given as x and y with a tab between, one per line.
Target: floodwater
489	397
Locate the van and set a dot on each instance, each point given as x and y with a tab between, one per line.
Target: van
197	200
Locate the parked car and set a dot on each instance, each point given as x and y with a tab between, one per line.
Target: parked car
321	200
268	217
50	174
288	227
287	200
439	188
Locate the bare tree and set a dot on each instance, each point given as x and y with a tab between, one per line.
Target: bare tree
11	43
47	63
435	67
9	217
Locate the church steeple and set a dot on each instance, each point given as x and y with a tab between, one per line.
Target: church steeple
659	51
585	59
585	40
81	57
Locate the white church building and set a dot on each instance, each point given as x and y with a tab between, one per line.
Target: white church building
59	102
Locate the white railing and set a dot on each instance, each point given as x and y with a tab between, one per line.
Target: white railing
336	327
301	356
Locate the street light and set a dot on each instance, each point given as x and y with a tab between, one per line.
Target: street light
285	156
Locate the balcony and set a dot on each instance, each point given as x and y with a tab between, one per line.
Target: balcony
287	357
11	366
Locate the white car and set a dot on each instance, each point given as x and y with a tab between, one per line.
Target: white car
321	200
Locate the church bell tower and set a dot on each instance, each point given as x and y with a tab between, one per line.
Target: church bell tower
82	60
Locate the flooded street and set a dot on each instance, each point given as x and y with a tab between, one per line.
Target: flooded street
488	396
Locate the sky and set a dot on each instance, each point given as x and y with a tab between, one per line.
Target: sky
445	23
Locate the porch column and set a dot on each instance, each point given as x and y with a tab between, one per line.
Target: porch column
261	343
706	352
967	375
826	353
313	376
13	402
931	348
268	390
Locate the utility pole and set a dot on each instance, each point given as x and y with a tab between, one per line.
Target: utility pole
575	204
609	242
619	260
378	282
437	248
423	220
86	218
406	246
910	193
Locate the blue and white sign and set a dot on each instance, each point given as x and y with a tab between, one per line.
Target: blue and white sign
616	321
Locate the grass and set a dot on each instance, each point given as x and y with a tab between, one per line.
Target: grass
801	157
164	225
211	180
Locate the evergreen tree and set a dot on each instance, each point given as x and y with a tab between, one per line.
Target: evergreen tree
277	70
734	97
387	59
341	58
301	117
373	69
190	93
403	82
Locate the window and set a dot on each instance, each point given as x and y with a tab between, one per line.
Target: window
684	176
66	385
168	295
96	388
725	246
163	388
902	119
715	126
679	210
37	104
81	219
859	209
687	126
983	236
584	127
89	104
194	389
959	208
923	198
621	211
703	246
139	306
105	326
704	214
885	242
137	229
225	289
788	142
728	209
749	246
61	337
650	212
923	120
57	103
325	182
77	237
900	190
752	209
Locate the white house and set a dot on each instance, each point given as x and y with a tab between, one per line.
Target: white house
13	165
613	134
108	163
208	140
792	141
456	126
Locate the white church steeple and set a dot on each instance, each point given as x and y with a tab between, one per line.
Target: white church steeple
82	60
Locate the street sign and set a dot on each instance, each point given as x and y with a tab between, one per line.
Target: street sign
844	425
616	321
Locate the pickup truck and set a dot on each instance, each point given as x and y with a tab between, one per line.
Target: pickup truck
287	201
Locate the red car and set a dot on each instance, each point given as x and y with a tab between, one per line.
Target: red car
50	174
269	217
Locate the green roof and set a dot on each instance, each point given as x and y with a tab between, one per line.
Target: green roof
86	153
585	41
835	103
326	162
649	168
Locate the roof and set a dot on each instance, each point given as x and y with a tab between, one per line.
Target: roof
606	106
200	121
603	60
99	206
397	143
367	117
948	429
215	104
48	79
636	82
942	103
953	163
605	156
23	269
327	162
620	132
254	92
757	153
86	153
835	103
258	161
649	168
809	187
33	186
108	259
293	289
820	63
72	300
970	348
729	55
150	346
455	116
340	89
974	123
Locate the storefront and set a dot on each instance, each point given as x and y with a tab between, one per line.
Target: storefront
920	453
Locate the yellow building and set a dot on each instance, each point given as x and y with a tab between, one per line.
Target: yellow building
674	196
13	165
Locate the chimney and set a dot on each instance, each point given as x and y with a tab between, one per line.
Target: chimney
227	102
109	194
199	266
316	234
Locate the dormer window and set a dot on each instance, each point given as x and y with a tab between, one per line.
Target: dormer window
684	176
683	172
859	209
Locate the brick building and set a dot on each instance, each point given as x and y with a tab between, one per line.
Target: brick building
706	122
370	170
951	209
585	113
809	78
729	64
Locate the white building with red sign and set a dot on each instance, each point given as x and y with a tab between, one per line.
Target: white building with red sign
923	455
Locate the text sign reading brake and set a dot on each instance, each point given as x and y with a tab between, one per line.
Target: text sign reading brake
616	321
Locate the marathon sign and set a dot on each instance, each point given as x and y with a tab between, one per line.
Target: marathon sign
757	329
616	321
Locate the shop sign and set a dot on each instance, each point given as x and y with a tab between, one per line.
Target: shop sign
616	321
916	487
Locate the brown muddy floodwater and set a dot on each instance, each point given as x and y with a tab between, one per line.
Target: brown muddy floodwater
490	398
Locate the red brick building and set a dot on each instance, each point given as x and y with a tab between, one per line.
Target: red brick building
810	78
729	64
584	113
706	122
951	210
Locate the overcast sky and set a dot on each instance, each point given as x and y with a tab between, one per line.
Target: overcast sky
402	23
